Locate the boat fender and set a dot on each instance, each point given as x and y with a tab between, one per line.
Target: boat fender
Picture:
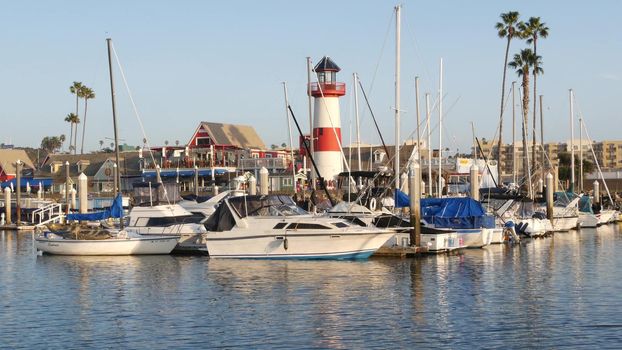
372	204
285	244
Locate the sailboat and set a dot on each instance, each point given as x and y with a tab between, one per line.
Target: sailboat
105	242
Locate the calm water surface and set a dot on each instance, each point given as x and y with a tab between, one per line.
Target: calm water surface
562	291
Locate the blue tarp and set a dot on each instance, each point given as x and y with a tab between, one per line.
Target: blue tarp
27	180
463	212
402	200
115	211
182	173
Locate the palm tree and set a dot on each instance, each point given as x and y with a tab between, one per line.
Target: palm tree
87	94
75	89
101	144
507	28
523	63
531	31
71	119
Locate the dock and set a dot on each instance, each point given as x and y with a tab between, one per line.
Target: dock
400	252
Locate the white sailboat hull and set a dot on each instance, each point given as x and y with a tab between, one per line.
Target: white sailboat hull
588	220
566	223
112	246
605	216
497	236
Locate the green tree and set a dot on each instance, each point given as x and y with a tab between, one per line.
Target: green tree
101	144
75	89
71	118
51	144
564	165
532	30
87	94
523	63
506	29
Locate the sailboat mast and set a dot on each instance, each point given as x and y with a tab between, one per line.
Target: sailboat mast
418	120
440	131
358	125
571	140
311	148
542	140
114	123
580	154
427	116
513	132
291	141
397	96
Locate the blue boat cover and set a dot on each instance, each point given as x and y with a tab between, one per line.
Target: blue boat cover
115	211
456	213
402	200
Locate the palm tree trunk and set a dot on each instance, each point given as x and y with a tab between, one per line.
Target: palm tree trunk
500	143
84	126
526	184
75	141
70	135
535	105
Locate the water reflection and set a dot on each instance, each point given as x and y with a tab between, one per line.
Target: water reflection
553	292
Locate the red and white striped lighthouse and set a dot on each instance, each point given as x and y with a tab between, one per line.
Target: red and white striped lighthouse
327	119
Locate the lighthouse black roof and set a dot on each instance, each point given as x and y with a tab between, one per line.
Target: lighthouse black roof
326	65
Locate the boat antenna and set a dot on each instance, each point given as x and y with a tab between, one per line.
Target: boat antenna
114	123
317	171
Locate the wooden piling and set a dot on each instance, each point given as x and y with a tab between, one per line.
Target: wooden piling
414	184
7	204
474	179
550	188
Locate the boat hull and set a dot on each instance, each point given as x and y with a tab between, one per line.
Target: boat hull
587	220
475	238
291	245
113	246
605	217
564	223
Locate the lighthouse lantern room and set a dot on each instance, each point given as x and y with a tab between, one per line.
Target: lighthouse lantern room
327	119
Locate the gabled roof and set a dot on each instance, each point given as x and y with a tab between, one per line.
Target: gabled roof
8	158
243	136
326	65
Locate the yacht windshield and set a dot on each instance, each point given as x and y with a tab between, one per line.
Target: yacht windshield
273	205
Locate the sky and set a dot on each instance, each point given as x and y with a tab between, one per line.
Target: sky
221	61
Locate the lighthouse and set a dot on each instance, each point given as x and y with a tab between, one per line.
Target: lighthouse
327	119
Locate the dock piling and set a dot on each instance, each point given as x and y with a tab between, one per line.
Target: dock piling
550	188
473	178
7	204
83	193
414	180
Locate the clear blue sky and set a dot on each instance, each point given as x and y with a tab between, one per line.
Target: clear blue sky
221	61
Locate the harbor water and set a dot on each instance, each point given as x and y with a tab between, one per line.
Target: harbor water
555	292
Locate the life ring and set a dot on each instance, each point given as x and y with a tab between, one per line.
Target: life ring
108	171
372	204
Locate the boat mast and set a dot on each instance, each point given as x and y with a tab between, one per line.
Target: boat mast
427	116
397	96
440	130
571	141
114	123
542	140
311	148
514	132
418	120
358	125
291	141
580	154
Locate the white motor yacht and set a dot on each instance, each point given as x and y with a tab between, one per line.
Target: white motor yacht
274	227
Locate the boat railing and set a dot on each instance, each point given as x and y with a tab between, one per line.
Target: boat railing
50	213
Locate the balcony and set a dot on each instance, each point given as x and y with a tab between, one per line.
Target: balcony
327	89
258	163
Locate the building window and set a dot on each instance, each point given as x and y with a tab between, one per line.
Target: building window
203	141
268	155
255	155
287	181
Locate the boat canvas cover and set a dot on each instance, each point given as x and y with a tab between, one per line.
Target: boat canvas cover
258	205
221	220
402	200
455	213
115	211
